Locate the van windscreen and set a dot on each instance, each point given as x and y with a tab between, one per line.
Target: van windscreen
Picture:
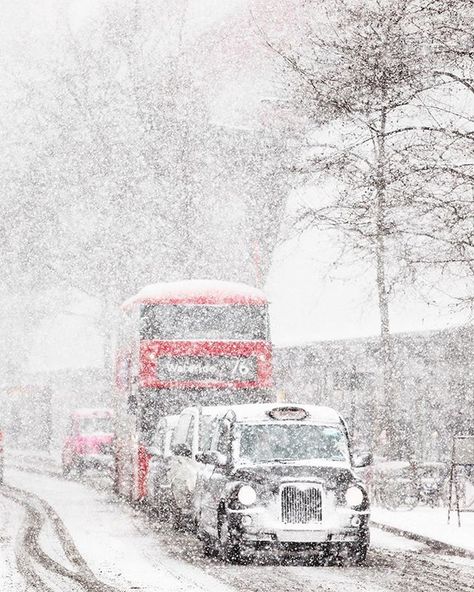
95	425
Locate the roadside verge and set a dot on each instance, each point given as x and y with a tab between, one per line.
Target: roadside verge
429	526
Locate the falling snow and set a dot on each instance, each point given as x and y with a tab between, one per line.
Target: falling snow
236	298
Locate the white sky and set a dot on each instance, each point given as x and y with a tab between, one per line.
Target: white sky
201	14
313	298
310	300
70	339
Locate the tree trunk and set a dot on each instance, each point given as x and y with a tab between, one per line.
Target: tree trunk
386	415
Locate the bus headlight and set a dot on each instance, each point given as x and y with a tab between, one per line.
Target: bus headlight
354	496
247	495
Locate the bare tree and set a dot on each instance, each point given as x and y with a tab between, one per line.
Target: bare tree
444	230
119	176
361	73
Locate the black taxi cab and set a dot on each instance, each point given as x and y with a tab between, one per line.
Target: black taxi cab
281	477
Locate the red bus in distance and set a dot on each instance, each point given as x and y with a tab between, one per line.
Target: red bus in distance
195	342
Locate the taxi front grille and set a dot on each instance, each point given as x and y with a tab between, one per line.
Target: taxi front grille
301	504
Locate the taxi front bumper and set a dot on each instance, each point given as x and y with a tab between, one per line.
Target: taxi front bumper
246	529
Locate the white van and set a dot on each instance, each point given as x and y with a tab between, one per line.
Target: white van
191	437
158	480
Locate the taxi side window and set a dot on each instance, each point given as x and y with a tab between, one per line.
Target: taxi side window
190	434
181	431
214	435
206	432
224	440
158	440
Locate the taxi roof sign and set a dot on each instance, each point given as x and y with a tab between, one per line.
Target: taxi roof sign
288	412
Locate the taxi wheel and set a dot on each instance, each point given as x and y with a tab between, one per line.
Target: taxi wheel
358	550
79	466
162	512
209	547
176	516
359	553
192	526
229	550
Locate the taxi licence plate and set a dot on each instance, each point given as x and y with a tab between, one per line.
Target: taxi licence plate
302	536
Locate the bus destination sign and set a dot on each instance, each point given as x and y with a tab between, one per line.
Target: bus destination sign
207	368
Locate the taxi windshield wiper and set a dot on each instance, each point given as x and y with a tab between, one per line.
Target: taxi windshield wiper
282	461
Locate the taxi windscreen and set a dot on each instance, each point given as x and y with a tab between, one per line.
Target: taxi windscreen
290	442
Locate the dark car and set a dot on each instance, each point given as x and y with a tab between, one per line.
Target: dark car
280	477
89	441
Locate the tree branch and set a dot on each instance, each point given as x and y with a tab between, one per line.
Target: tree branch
462	81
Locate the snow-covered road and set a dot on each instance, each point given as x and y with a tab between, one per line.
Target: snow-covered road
10	517
62	535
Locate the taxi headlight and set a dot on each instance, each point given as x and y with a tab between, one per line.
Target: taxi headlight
247	495
354	496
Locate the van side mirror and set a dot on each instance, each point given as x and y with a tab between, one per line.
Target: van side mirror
154	451
132	404
362	460
181	450
212	458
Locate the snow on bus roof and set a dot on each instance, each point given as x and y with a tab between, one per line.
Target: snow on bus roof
197	292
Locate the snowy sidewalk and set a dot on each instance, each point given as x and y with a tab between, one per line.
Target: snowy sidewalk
28	455
429	525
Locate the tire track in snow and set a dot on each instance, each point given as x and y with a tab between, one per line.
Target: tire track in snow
171	574
198	579
251	577
29	552
423	573
385	570
11	515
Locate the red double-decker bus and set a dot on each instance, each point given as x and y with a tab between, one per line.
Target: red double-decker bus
196	342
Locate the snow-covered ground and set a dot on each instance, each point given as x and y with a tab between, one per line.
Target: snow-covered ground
10	517
121	547
431	523
112	539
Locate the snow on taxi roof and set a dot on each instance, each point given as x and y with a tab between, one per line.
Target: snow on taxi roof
197	292
260	411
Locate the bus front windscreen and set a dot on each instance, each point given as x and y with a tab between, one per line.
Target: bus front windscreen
214	322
